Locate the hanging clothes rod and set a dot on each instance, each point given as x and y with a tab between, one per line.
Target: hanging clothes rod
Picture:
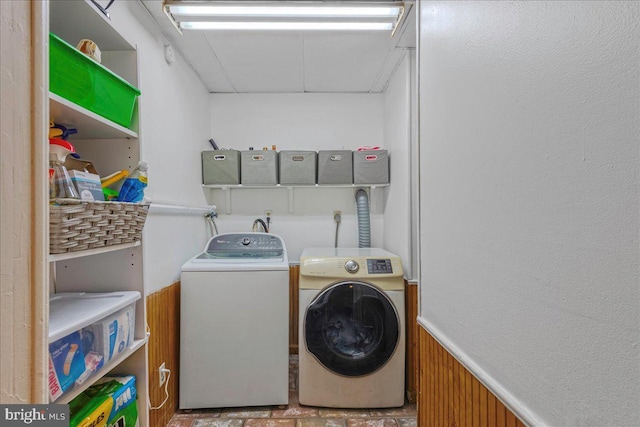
160	206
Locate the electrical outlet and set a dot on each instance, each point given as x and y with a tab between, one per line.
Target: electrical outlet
162	371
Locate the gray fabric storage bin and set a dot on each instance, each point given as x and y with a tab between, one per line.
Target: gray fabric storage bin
221	167
335	167
297	167
371	167
259	167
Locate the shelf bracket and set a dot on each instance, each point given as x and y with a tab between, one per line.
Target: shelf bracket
291	204
227	192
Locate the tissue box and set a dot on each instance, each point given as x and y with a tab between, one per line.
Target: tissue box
112	335
88	185
66	364
111	401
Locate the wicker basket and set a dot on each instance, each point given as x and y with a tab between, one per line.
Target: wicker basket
76	225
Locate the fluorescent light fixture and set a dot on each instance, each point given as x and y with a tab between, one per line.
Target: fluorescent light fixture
279	15
284	11
335	26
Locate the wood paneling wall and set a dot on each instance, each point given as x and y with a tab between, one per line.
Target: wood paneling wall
163	318
449	395
411	371
294	276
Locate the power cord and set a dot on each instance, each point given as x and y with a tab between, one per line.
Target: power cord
337	217
166	391
265	227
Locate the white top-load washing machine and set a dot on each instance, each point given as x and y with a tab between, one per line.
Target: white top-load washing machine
234	323
352	328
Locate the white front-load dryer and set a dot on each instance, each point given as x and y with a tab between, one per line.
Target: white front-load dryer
352	328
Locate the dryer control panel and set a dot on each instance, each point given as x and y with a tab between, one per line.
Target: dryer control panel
379	266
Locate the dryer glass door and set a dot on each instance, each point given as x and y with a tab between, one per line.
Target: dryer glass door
352	328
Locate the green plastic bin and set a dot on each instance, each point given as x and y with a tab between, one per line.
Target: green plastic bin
81	80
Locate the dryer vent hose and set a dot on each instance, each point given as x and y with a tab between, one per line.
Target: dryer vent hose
364	221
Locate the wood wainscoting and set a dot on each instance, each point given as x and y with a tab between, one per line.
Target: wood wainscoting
411	312
449	395
294	278
163	319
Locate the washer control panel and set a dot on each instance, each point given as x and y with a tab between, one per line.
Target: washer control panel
379	266
246	245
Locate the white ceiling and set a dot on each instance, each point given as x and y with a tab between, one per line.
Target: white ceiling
290	61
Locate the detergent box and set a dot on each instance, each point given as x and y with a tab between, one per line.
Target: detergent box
66	364
88	185
110	402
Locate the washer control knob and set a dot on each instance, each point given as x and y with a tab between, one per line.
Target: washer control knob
246	240
351	266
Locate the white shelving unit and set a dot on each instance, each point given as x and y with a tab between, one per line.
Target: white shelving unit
290	188
110	147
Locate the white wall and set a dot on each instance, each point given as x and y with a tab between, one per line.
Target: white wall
174	121
397	139
530	119
298	122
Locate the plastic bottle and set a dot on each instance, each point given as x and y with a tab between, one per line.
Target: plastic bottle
61	185
132	189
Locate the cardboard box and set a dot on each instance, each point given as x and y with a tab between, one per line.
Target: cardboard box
221	167
88	185
297	167
66	364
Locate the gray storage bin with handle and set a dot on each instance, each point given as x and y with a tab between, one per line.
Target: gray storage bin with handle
335	167
221	167
371	167
297	167
259	167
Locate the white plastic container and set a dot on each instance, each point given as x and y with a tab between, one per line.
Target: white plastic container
95	326
70	312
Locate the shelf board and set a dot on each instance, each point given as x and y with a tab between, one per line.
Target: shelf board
227	186
89	124
227	189
79	254
73	392
74	20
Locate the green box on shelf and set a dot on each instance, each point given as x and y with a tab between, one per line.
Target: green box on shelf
81	80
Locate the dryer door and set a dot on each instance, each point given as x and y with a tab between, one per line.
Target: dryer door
352	328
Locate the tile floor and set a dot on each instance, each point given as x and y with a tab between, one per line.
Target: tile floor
295	415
